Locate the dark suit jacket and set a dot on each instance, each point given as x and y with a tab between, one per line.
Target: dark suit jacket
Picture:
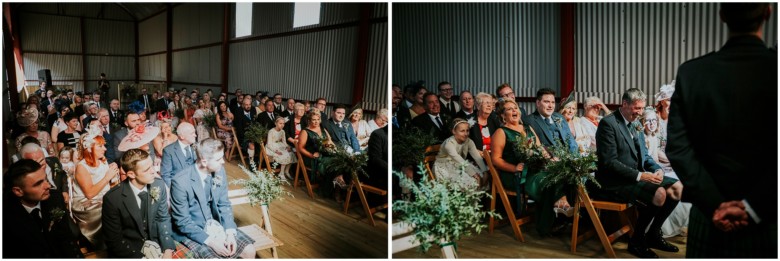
266	120
234	105
620	158
22	238
461	114
148	97
344	136
160	105
240	123
117	139
377	158
446	110
424	123
724	107
110	146
403	115
123	223
289	129
173	160
475	133
119	118
284	113
547	134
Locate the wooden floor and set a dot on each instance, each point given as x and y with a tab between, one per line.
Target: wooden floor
502	244
314	228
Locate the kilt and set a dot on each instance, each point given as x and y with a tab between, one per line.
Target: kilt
203	251
706	241
181	251
641	193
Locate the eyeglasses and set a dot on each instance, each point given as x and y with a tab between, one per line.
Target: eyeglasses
323	104
446	90
508	94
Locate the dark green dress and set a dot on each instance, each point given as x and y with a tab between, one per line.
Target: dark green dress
531	184
317	165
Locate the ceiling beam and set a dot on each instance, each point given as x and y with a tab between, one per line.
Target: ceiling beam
121	5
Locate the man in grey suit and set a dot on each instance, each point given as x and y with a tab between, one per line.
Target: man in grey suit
549	125
341	131
131	121
723	116
178	155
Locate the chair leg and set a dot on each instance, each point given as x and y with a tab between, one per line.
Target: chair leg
597	225
308	185
349	195
627	222
511	214
363	200
576	225
492	221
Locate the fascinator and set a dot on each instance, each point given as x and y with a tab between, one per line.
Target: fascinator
666	92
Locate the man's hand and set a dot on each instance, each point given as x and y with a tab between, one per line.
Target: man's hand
651	178
230	243
168	254
730	216
218	247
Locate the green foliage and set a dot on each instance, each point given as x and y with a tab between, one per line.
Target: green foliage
262	187
210	120
441	210
409	146
570	168
344	161
256	132
530	153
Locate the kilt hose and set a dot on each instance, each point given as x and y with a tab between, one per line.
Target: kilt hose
753	241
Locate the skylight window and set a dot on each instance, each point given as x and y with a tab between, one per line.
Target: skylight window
306	14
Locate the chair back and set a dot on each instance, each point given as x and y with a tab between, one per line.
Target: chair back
431	152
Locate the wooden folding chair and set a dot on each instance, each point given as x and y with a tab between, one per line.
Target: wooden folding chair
430	157
583	200
305	170
361	191
504	194
236	145
267	162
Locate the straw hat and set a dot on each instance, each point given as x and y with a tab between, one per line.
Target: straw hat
138	137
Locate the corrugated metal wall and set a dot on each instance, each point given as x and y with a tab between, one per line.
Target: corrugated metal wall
152	67
65	69
114	67
152	34
109	37
49	33
198	66
625	45
376	87
477	46
197	24
271	18
109	10
305	66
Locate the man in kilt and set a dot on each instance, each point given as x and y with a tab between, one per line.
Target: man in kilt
628	174
199	200
725	108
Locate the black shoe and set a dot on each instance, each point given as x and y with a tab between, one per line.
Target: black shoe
658	242
641	251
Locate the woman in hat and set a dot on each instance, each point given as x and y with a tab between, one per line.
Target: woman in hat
663	101
93	179
28	119
569	111
362	130
141	138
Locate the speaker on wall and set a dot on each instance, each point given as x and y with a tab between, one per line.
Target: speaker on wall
45	76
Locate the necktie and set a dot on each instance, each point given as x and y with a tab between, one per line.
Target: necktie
144	208
452	107
549	120
36	215
207	187
105	129
438	123
190	155
340	125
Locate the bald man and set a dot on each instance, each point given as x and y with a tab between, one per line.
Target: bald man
178	155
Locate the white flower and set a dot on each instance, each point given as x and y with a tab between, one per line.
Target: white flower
155	194
471	122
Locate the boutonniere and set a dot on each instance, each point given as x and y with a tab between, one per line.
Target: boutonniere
155	194
217	182
637	127
557	122
471	122
57	169
56	215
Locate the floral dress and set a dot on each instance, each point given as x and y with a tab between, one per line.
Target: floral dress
277	148
225	135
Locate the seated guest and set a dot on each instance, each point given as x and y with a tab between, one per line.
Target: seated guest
132	120
141	138
340	131
377	158
16	157
553	131
241	121
61	125
267	118
293	127
136	213
504	91
117	116
517	176
320	105
34	226
278	150
165	138
200	203
104	121
451	159
591	118
628	174
288	108
92	180
467	109
447	102
310	145
569	111
485	122
432	122
380	121
29	120
360	127
55	172
179	154
224	119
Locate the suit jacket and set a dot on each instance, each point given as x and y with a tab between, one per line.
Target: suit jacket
266	120
403	115
119	118
123	224
110	146
191	208
424	123
377	158
161	105
59	176
461	114
724	106
547	134
240	122
345	135
620	157
117	139
235	105
446	110
289	129
475	133
173	161
148	97
23	238
284	113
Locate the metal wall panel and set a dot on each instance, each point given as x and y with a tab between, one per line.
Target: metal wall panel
63	67
380	10
109	37
152	34
93	10
625	45
478	46
376	87
271	18
50	33
305	66
152	67
198	65
113	67
197	24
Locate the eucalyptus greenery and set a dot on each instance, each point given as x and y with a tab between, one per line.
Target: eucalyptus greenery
262	187
409	146
570	168
441	210
344	161
210	120
530	153
256	132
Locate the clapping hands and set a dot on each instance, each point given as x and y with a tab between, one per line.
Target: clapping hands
730	216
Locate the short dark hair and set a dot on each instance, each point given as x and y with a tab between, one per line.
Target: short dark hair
267	101
502	86
277	94
442	84
339	106
429	94
743	17
69	116
29	139
544	91
131	158
103	74
320	98
18	170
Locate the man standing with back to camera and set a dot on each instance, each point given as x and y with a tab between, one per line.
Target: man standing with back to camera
730	180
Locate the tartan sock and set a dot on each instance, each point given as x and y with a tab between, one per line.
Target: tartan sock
660	217
646	214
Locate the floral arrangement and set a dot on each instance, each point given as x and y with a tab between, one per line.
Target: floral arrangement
262	187
441	210
209	119
409	147
345	161
56	215
530	153
325	144
129	90
570	168
256	132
